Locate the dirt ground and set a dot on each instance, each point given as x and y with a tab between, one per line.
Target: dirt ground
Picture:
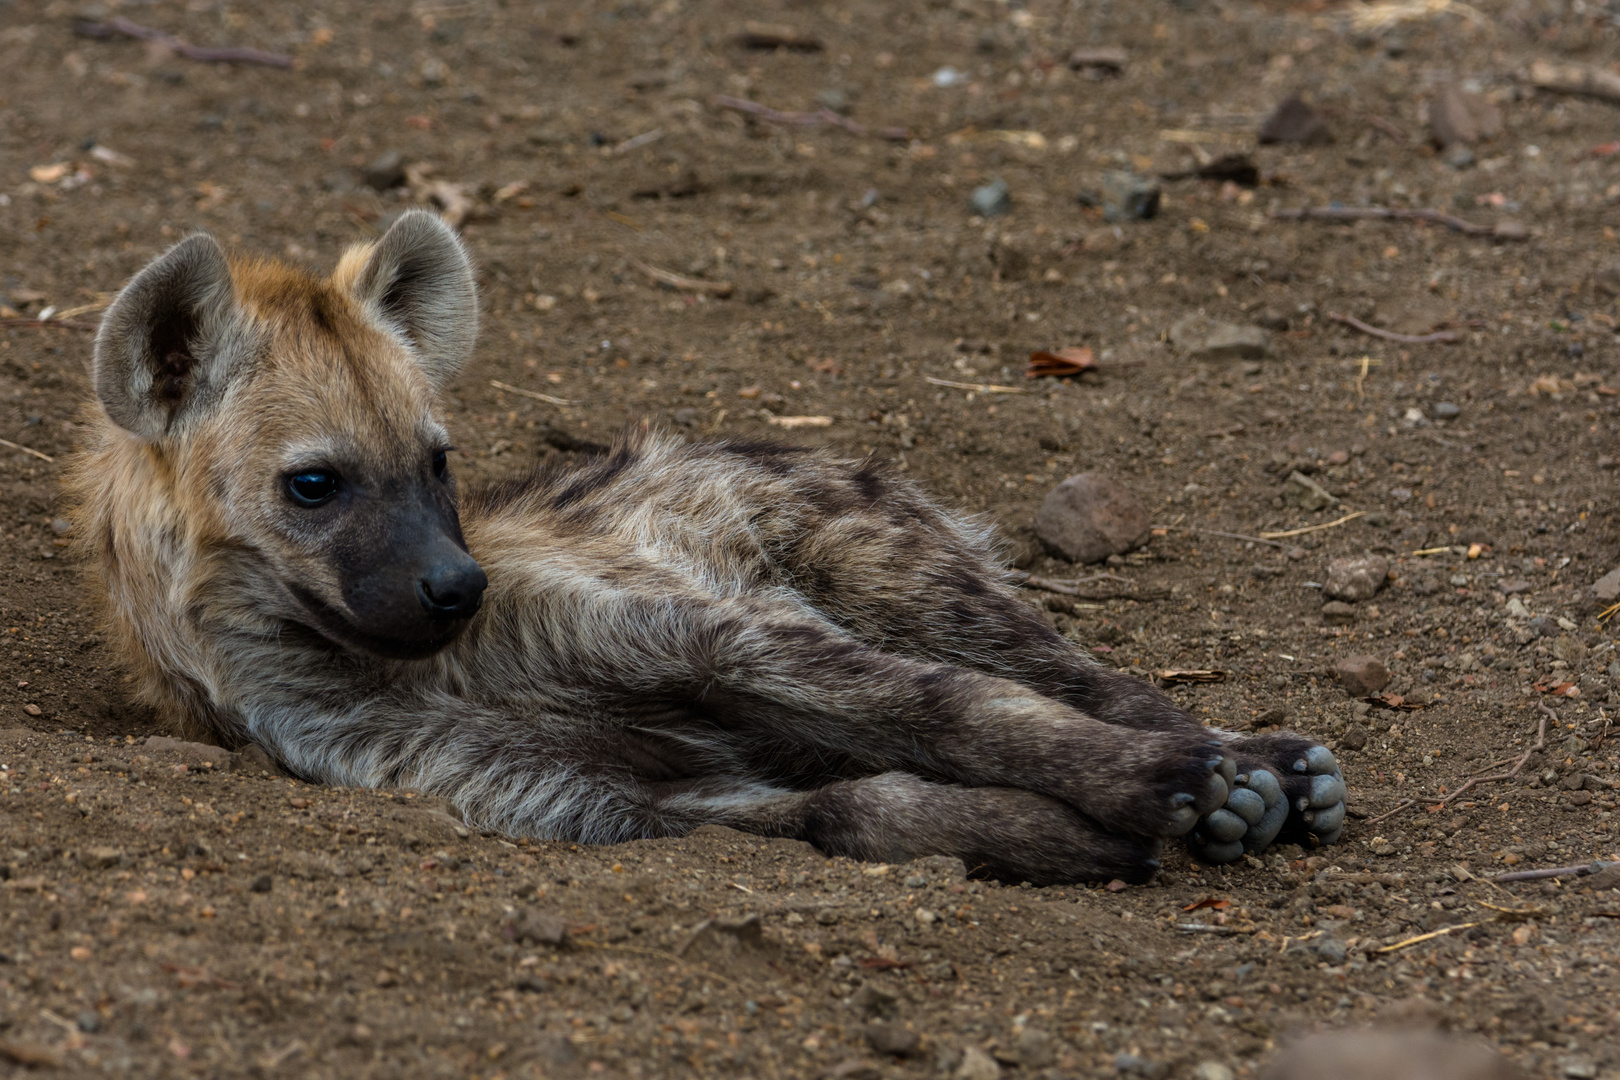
166	912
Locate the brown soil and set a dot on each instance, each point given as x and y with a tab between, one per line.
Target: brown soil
218	921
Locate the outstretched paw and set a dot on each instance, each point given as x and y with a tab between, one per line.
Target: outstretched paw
1284	782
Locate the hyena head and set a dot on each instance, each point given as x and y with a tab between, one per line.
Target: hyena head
290	421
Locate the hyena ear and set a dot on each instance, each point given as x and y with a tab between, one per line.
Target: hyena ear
164	349
418	280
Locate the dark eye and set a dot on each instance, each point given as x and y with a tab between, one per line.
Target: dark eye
312	488
441	463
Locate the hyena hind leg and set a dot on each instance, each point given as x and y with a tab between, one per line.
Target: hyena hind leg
1007	834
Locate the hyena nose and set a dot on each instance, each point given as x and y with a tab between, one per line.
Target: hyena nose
452	591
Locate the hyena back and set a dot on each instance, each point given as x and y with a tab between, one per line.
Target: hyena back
665	636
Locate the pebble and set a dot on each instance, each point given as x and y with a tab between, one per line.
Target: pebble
1306	494
1356	578
386	171
1089	517
991	200
977	1065
1338	613
949	76
1129	197
892	1039
1354	739
1132	1065
261	884
539	927
1607	587
1213	1070
1577	1067
1459	118
1361	675
1295	121
1446	410
1203	338
1330	949
1034	1048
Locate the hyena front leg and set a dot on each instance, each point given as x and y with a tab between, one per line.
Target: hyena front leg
1003	833
796	687
929	585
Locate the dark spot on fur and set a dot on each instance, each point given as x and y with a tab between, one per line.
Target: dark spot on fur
595	477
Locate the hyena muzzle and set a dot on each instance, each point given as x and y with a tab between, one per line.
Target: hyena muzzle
664	636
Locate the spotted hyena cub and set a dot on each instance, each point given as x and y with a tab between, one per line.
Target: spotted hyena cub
666	636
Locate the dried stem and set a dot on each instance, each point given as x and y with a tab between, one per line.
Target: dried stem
1359	213
1540	744
65	324
1390	335
823	117
124	28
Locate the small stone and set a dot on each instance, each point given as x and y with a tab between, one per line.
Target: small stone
1354	739
1330	949
1511	586
1213	1070
1356	578
1132	1065
1295	121
539	927
1303	493
1445	410
1459	157
977	1065
1570	649
1338	613
1577	1067
100	858
1542	625
260	884
190	752
1034	1049
61	526
88	1022
892	1039
387	171
1459	118
1606	282
1606	588
686	417
827	916
1089	517
874	1002
1361	675
1203	338
991	200
1129	197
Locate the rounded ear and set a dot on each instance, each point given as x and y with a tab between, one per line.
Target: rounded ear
165	347
418	280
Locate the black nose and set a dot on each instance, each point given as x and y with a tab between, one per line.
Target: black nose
452	590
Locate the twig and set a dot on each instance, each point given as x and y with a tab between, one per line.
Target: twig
1581	79
1380	124
1392	813
1231	536
1425	937
27	450
1313	528
118	27
1205	928
547	398
1358	213
822	117
1541	744
979	388
1066	588
1556	871
43	323
1390	335
686	284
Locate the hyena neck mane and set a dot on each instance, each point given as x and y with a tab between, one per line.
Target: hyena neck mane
263	490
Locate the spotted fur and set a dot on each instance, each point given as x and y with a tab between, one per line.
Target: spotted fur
673	634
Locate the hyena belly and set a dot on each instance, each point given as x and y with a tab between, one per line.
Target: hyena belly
666	636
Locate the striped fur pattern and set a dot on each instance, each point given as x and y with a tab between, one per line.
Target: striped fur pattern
672	634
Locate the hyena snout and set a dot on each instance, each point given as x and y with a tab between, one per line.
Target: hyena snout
452	589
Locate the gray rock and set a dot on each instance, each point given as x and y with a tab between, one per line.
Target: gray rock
1203	338
1607	587
1361	675
1570	649
387	171
1129	197
1338	613
1354	739
539	928
1295	121
1213	1070
991	200
1303	493
1445	410
1089	517
977	1065
892	1039
1330	949
1132	1065
1459	118
1356	578
1389	1054
1034	1049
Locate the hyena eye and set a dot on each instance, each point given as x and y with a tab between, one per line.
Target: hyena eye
441	463
311	488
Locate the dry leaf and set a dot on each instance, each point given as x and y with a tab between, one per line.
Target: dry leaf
1067	361
1189	675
